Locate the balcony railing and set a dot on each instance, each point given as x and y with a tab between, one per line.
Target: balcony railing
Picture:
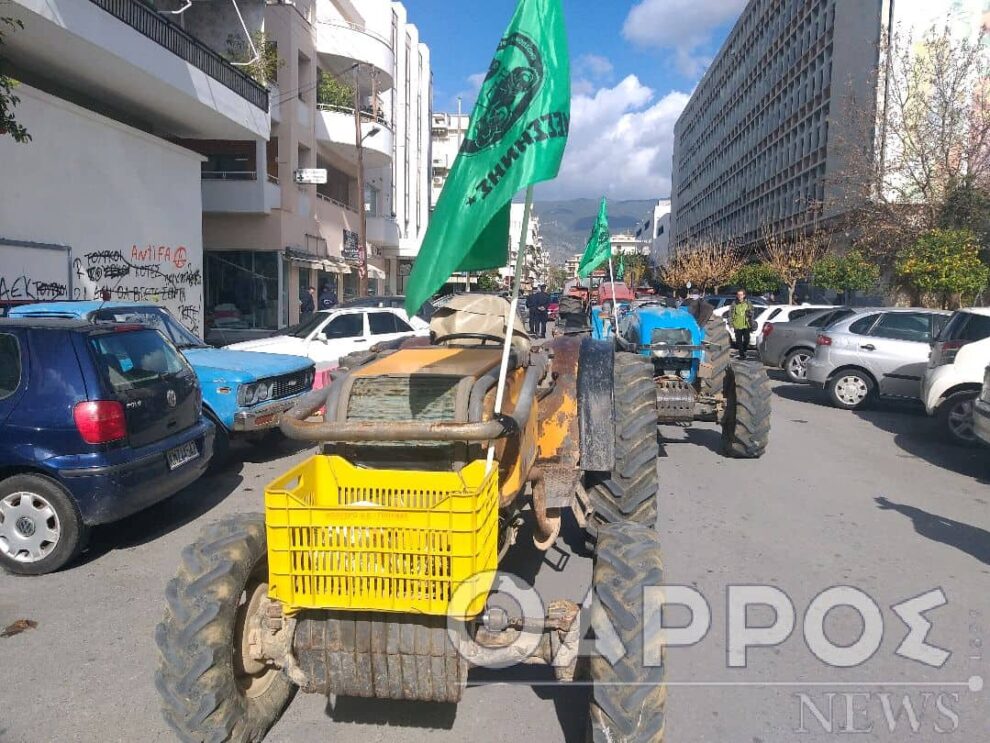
184	45
366	113
229	175
341	204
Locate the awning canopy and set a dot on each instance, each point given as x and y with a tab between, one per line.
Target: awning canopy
321	263
374	272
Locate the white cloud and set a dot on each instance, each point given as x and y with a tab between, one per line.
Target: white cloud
682	26
476	80
594	66
620	144
468	94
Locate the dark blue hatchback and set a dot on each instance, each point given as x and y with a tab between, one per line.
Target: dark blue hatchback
96	422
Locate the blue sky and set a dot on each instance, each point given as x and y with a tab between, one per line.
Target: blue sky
634	64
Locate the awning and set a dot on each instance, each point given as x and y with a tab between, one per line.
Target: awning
374	272
321	263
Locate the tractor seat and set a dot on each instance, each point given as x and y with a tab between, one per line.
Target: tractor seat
478	321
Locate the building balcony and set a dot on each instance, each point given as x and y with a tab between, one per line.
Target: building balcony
240	192
335	129
341	45
383	231
127	57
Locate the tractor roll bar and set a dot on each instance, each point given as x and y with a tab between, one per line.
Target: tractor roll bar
296	426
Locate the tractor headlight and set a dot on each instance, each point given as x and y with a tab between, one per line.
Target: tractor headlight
685	373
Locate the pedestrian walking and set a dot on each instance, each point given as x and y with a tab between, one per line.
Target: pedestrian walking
531	312
307	302
541	303
743	323
328	297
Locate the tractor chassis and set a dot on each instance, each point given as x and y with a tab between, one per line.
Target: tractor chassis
679	403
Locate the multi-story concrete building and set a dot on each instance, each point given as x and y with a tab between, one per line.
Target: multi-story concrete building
626	243
263	251
536	261
571	266
448	134
102	197
654	230
760	143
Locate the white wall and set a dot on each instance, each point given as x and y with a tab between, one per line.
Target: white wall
128	204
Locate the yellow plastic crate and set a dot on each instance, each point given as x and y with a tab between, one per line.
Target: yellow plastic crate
342	537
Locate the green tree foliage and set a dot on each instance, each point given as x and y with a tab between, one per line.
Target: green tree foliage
489	281
850	272
943	265
265	68
967	207
332	92
8	122
757	278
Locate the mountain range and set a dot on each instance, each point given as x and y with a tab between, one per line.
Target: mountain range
565	225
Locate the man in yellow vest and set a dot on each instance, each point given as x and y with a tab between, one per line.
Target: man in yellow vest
742	322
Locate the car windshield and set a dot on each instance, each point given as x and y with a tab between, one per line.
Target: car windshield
307	326
152	317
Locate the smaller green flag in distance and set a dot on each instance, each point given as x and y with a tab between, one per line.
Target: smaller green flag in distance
516	138
599	244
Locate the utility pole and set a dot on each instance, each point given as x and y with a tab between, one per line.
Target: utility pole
362	217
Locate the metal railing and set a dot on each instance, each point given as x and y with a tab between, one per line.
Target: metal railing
359	28
366	113
273	179
184	45
228	175
341	204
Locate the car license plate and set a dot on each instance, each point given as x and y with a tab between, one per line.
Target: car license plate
182	454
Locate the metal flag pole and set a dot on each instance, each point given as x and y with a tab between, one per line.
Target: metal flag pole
510	318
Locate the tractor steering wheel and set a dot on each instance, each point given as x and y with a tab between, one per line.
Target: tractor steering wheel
483	337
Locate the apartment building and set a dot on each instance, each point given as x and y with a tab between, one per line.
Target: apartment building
654	231
339	67
448	132
761	139
102	197
536	259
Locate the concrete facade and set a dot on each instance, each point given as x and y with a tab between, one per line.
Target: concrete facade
448	133
761	141
654	230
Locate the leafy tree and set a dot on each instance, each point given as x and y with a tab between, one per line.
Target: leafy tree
265	68
847	273
332	92
967	207
489	282
944	265
8	122
757	278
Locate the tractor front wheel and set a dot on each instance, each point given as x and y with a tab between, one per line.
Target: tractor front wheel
210	687
719	343
746	422
627	669
629	491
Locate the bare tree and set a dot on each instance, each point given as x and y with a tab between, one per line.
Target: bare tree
927	137
793	256
706	264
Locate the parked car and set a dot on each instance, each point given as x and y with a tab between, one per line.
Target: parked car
718	301
329	335
790	345
952	382
395	300
97	422
243	394
783	313
981	411
759	312
554	307
880	352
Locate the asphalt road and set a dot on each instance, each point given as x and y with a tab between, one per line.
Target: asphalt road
869	499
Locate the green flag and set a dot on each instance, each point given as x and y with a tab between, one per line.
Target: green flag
516	138
599	244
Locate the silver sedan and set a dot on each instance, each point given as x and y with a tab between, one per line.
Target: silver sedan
790	345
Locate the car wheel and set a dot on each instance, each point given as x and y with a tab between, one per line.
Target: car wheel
850	389
796	365
955	415
40	527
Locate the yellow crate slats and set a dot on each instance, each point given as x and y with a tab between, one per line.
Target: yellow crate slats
342	537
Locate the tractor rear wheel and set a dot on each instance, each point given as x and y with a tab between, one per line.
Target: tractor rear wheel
629	491
746	422
717	335
210	688
627	668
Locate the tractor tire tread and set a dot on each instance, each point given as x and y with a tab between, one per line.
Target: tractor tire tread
745	433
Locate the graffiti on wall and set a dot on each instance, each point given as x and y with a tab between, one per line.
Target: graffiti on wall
153	273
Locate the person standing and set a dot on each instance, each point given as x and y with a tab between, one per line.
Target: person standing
541	303
742	320
307	302
531	313
328	297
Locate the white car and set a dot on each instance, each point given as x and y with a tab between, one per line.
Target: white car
328	335
981	411
769	313
960	355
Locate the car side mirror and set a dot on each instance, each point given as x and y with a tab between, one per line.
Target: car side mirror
321	337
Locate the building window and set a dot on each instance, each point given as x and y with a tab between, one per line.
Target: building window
241	289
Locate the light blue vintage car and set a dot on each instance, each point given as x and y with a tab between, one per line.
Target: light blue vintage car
244	392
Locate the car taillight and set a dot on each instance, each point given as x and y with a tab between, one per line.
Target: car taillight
100	421
945	352
767	329
823	340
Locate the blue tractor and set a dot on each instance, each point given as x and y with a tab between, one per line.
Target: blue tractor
695	379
